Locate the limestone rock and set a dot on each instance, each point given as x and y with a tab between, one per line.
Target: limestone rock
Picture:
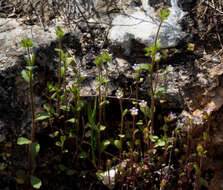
142	25
14	102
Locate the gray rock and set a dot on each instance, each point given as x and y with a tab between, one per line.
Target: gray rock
142	26
14	101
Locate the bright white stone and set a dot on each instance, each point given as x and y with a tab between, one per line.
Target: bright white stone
142	27
109	177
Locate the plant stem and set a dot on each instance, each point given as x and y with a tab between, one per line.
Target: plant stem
106	90
50	110
133	134
121	131
151	82
59	77
137	87
78	118
33	115
65	94
100	116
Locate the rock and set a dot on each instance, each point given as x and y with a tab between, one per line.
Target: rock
142	26
109	176
14	101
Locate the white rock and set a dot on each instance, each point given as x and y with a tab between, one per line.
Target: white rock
142	26
109	177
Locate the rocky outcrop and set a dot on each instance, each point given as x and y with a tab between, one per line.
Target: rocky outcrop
141	24
14	109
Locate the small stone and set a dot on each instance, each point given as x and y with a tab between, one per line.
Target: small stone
88	35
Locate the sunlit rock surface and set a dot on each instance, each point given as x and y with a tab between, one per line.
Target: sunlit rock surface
141	24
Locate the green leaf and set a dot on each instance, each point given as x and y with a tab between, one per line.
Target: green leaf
64	55
105	144
64	108
59	32
92	113
158	45
22	141
42	116
136	131
104	102
145	111
30	68
106	57
25	75
62	139
54	134
160	91
162	101
98	60
125	112
151	51
62	71
58	143
147	67
83	155
49	86
100	175
35	182
117	143
134	103
164	13
72	120
121	136
53	95
67	62
160	143
35	149
46	107
102	127
153	138
26	43
80	105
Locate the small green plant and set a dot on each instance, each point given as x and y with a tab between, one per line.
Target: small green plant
60	34
94	130
153	51
34	147
201	152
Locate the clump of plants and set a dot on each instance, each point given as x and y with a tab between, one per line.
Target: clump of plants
139	155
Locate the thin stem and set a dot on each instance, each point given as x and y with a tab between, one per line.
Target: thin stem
146	142
65	94
50	110
121	131
151	81
59	77
33	114
137	87
133	135
100	116
106	82
106	90
78	117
